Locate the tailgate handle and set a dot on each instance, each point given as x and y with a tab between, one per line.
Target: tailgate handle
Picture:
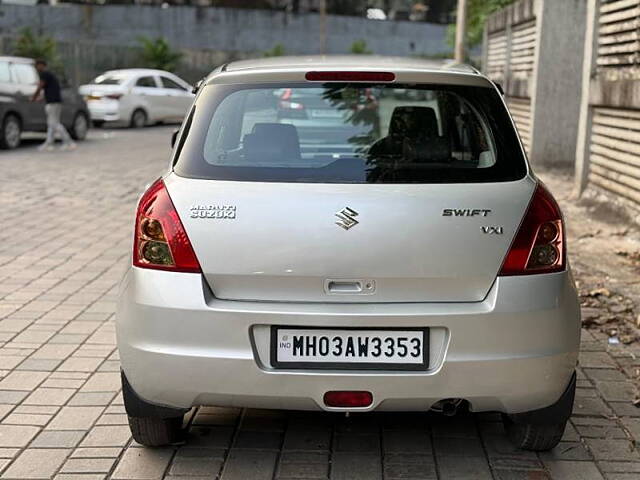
349	286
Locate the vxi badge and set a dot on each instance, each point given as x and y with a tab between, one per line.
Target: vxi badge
347	218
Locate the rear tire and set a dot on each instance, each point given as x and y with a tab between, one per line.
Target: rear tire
10	132
80	126
537	438
155	432
138	118
542	429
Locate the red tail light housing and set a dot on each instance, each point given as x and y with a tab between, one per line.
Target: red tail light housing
160	240
539	245
114	96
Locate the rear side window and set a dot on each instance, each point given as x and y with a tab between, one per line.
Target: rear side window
351	133
5	74
146	82
25	74
168	83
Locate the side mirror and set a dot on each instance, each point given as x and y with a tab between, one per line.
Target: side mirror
174	137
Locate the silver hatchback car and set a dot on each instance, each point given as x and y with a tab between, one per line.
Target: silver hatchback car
349	234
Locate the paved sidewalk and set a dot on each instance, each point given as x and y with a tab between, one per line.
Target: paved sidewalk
65	238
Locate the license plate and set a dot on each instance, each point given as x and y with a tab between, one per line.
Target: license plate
384	349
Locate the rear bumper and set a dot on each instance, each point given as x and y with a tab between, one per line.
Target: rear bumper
105	111
513	352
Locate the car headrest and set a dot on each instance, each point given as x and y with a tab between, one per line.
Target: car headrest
430	150
272	141
413	122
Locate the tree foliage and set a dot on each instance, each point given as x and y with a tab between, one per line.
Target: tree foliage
35	46
31	45
359	47
277	50
157	53
477	13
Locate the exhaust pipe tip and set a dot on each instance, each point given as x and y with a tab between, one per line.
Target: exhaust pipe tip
448	406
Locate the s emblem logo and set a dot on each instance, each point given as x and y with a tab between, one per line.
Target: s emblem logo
347	218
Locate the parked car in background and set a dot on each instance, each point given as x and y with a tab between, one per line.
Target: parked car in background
137	97
18	114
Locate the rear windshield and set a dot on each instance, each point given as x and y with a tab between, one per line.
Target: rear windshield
108	80
351	133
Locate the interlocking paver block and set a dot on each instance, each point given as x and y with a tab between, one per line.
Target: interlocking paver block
613	449
16	435
143	464
301	438
573	470
254	464
57	438
456	468
37	463
88	465
193	462
107	436
102	382
26	381
75	418
49	396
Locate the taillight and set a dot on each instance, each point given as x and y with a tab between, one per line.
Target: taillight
114	96
539	245
160	240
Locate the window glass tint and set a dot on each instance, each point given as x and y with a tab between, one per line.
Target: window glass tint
168	83
146	82
24	73
353	133
5	74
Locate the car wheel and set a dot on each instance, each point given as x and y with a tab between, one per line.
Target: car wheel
541	429
528	436
138	118
10	132
80	126
155	432
98	123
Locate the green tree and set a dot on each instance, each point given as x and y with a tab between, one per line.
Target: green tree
278	50
30	45
359	47
157	53
477	13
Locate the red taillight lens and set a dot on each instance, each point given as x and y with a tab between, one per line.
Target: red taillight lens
346	399
160	240
114	96
350	76
539	245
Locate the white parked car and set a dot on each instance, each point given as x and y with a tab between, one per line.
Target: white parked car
137	97
349	234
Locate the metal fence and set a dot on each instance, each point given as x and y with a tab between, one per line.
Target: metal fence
510	47
609	155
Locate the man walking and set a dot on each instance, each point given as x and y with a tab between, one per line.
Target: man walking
53	107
